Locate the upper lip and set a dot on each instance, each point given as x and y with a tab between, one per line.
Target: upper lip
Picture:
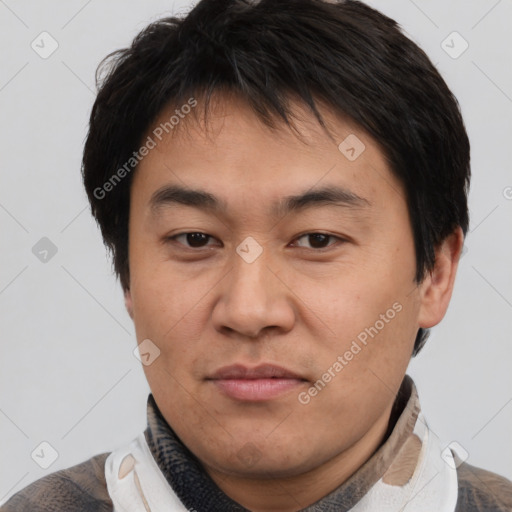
262	371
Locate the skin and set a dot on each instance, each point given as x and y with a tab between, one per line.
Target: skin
295	306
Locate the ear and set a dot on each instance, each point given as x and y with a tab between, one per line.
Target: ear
436	289
128	302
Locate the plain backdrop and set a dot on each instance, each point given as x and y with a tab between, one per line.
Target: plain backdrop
68	376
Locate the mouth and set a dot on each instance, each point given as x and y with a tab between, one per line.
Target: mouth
258	384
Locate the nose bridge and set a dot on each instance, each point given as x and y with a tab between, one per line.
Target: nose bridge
250	286
250	259
252	297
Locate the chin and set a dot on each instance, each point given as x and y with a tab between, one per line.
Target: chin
262	462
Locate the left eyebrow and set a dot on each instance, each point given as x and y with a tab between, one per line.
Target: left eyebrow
325	196
203	200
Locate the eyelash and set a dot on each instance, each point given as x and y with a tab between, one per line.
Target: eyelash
322	249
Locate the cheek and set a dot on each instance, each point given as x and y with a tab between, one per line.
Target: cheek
361	372
173	309
367	317
348	299
162	295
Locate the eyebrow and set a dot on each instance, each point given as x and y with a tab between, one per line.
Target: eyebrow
203	200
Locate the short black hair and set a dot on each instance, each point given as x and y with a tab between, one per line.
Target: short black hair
344	53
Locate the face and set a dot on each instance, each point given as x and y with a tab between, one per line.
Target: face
280	295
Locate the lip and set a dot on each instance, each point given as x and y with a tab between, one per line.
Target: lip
257	384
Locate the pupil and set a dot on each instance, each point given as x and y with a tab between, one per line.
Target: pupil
316	240
196	239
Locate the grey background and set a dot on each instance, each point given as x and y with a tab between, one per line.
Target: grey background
67	372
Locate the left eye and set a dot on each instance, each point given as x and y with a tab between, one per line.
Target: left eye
317	240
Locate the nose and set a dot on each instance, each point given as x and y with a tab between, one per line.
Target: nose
253	300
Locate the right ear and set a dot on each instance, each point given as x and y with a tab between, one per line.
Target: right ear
128	302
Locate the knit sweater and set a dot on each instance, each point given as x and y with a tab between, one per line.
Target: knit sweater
83	487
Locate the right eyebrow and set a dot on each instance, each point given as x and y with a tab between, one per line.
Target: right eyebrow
171	194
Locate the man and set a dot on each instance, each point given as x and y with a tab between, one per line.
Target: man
283	186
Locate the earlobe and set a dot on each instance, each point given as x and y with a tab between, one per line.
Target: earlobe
128	302
436	289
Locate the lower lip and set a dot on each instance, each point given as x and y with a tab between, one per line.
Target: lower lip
257	389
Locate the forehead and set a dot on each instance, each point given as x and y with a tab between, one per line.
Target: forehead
236	157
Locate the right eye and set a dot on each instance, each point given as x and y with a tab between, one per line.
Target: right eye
191	240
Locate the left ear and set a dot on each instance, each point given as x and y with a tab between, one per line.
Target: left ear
436	289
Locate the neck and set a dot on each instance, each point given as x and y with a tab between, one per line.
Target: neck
294	493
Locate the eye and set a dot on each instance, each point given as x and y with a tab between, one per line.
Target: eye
192	240
198	240
317	240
